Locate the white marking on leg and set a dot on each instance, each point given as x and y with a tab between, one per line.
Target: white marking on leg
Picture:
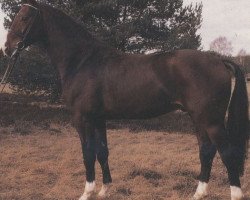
88	191
236	193
104	191
201	191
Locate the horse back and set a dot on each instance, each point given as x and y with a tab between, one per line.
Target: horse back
142	86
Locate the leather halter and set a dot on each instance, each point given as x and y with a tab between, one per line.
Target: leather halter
22	44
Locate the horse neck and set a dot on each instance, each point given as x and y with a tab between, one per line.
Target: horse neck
68	43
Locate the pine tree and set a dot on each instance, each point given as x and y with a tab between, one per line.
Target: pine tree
132	25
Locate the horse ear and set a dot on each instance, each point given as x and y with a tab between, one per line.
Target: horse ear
31	2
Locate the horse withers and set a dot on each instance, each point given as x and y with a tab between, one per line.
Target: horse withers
101	83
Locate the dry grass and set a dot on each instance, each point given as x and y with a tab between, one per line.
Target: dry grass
40	158
47	164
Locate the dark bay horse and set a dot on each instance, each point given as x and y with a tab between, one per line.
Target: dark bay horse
100	83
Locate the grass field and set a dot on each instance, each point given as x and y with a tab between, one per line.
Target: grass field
40	157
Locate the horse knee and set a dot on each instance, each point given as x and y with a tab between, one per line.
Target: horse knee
207	153
88	148
102	155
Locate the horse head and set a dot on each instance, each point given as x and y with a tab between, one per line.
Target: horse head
25	29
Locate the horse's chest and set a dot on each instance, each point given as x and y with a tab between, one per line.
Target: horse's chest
83	95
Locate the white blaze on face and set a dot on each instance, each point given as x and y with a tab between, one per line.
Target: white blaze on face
88	191
236	193
201	191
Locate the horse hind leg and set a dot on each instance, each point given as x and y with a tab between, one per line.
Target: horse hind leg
207	151
219	137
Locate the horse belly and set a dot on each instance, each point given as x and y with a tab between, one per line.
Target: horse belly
139	104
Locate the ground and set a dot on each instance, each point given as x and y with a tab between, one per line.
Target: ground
46	163
40	157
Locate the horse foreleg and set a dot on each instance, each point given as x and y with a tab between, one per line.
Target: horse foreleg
85	129
102	153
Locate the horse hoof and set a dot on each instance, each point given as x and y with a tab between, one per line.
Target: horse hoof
201	191
198	196
85	197
238	198
88	191
236	193
104	191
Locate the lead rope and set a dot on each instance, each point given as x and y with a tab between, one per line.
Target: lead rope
8	71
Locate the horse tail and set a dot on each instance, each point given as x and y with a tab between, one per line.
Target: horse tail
238	118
